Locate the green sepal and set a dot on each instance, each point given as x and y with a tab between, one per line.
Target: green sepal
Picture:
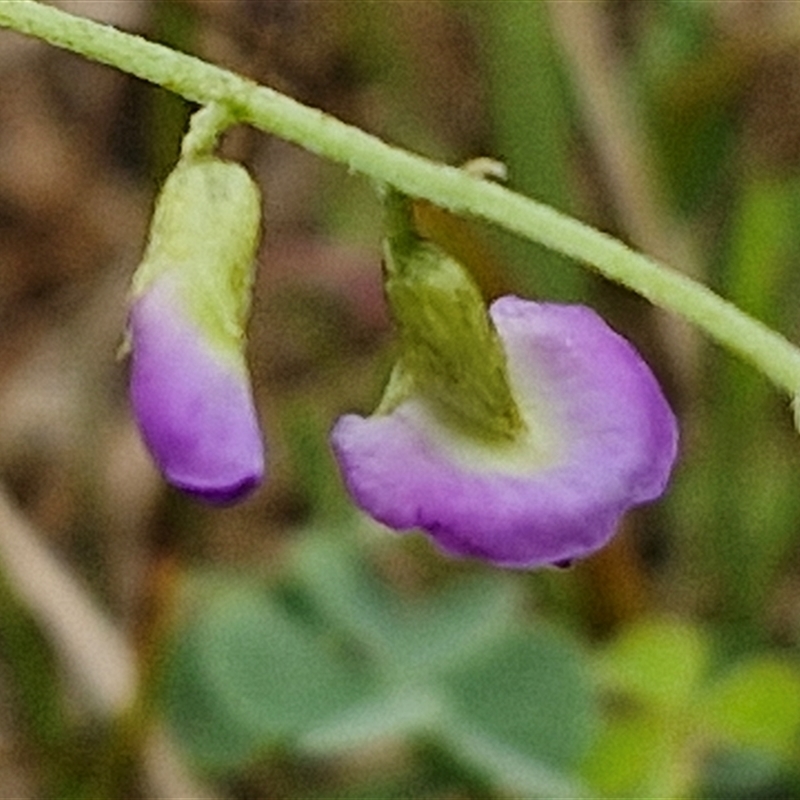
450	352
204	234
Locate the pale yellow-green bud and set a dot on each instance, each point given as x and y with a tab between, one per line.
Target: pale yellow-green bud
204	233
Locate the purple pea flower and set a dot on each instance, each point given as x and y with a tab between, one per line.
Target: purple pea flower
597	438
189	384
193	405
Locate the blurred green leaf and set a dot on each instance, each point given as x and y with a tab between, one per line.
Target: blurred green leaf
454	665
511	771
410	640
463	619
394	714
624	755
658	661
528	693
254	677
757	705
209	734
344	592
516	706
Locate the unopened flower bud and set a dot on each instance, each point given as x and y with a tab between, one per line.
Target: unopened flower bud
190	386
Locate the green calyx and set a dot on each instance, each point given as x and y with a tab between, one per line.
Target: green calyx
450	352
204	235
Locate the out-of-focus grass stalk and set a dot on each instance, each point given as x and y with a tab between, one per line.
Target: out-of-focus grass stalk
531	124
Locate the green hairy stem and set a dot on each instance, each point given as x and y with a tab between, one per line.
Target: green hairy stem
415	176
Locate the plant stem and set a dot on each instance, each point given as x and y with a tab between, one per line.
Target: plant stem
448	187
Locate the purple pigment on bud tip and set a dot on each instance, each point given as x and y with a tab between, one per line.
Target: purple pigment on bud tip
192	402
600	438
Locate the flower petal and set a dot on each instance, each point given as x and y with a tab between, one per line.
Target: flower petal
192	400
600	438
